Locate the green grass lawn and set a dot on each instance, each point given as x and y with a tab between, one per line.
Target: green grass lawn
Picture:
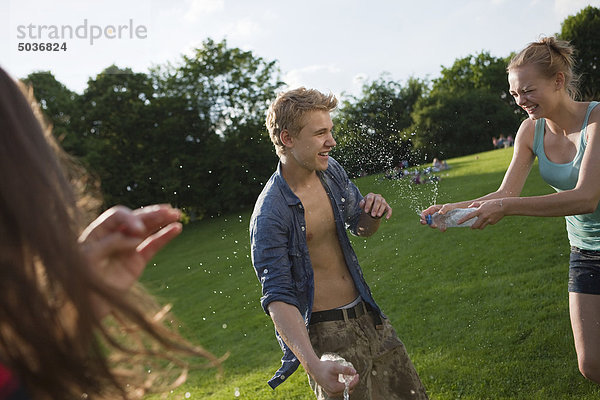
483	314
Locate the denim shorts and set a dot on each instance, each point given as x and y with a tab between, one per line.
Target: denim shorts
584	271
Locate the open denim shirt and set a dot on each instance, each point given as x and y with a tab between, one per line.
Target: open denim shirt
280	253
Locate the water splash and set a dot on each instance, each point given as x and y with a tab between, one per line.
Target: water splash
342	378
417	189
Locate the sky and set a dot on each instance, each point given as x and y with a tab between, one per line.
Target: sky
331	45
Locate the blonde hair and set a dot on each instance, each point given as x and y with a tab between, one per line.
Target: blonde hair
289	108
551	56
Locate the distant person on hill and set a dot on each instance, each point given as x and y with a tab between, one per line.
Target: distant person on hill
510	141
439	165
313	287
59	280
500	142
564	135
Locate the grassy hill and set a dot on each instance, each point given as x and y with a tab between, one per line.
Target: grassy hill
483	314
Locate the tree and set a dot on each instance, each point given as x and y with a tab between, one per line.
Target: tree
229	89
480	71
454	124
117	125
247	162
467	106
58	104
582	31
191	135
368	128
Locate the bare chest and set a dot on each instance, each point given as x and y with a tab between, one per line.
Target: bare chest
318	214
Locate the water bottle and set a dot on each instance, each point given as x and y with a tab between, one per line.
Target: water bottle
342	378
450	219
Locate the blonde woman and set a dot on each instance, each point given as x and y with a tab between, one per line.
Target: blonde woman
564	134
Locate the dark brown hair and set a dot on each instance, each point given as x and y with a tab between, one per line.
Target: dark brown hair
49	335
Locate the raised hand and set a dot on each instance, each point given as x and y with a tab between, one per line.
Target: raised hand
120	242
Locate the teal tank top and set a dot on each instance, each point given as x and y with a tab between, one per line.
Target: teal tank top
584	229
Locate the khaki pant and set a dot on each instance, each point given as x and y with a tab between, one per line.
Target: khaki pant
379	357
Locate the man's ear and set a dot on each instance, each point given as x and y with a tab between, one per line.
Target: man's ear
559	80
286	139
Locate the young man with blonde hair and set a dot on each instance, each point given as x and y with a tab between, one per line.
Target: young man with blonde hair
312	284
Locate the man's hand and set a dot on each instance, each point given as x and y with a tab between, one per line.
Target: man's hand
326	374
375	206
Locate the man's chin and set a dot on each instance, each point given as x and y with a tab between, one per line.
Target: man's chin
323	163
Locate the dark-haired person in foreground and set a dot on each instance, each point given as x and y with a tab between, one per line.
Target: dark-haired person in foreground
60	279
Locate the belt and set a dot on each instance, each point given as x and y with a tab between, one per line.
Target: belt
339	314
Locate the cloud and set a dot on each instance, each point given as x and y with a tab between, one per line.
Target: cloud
323	77
564	8
198	8
243	29
306	76
359	79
